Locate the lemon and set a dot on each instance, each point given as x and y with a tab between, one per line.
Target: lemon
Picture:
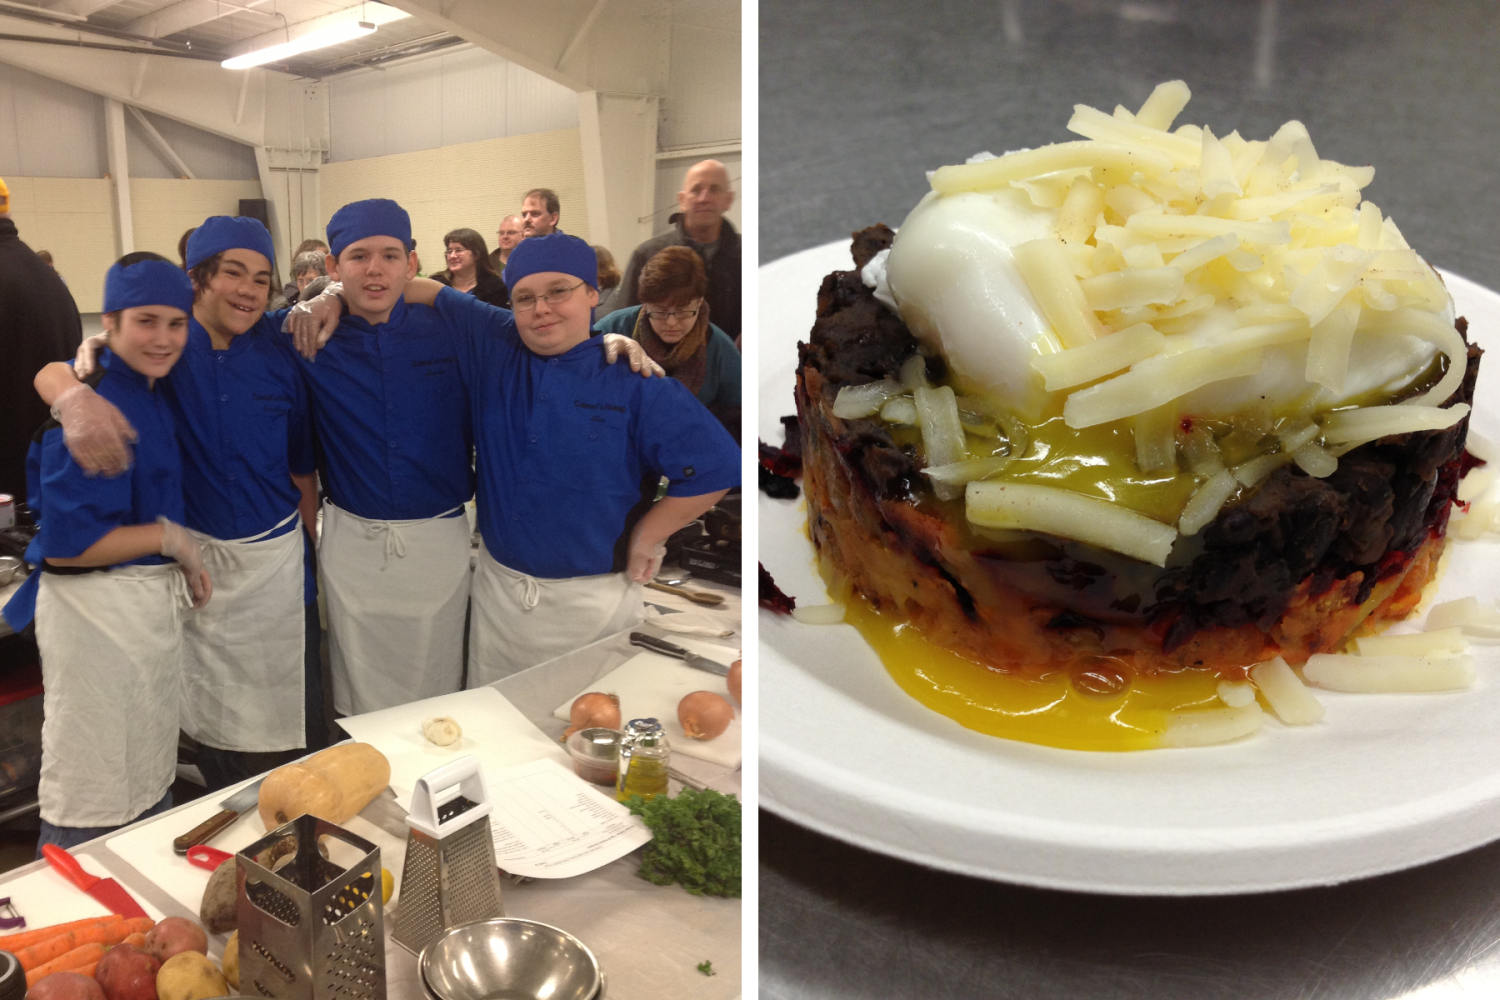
387	885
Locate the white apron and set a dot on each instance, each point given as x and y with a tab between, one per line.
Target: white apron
111	645
396	593
243	652
519	621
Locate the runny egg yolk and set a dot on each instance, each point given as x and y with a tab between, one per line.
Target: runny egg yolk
1083	709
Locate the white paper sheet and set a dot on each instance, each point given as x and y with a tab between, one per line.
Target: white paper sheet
494	730
549	823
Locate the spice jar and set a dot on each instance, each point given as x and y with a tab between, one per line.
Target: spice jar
644	753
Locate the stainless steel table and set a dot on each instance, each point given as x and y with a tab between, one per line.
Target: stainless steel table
857	101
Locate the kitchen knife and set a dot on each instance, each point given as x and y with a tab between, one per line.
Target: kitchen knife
232	807
104	890
672	649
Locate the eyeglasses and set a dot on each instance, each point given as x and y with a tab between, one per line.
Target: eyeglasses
525	302
667	314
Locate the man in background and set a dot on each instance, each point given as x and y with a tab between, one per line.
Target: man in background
506	237
38	323
540	211
699	224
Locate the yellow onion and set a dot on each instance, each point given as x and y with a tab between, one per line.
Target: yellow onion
594	709
734	682
704	715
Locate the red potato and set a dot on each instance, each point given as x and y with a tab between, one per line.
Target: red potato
175	935
126	973
69	986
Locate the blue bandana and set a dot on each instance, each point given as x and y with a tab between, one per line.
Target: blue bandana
228	232
553	252
360	220
147	283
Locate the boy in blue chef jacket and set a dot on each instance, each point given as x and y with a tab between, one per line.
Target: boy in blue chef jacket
569	453
251	673
107	598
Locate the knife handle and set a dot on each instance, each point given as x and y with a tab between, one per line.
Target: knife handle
656	645
205	831
68	866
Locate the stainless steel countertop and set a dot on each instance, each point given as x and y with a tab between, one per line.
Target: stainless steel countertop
857	101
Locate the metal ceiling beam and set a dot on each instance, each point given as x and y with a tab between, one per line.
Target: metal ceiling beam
160	144
82	8
187	14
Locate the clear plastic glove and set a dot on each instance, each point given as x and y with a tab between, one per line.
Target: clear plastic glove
87	358
178	543
645	560
614	343
97	434
311	323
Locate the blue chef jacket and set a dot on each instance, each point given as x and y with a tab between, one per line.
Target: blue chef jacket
245	427
75	510
569	447
392	416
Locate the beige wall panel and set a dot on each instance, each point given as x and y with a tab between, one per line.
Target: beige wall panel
163	208
473	185
73	217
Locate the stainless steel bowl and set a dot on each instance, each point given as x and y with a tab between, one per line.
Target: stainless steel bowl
511	958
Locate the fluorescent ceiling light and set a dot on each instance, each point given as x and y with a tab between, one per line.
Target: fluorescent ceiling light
333	34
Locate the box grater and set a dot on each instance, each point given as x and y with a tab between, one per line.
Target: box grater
450	876
310	915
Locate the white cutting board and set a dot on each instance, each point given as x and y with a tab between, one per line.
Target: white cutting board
45	898
650	685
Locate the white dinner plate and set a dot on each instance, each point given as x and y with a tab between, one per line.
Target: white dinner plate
1385	782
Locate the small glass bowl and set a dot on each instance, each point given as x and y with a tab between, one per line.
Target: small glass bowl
596	754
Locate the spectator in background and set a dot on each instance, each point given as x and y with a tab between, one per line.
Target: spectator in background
306	267
700	225
674	327
509	234
540	211
182	246
38	323
46	256
291	292
609	282
469	270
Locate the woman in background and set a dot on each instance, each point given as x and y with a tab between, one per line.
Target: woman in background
469	269
672	324
610	296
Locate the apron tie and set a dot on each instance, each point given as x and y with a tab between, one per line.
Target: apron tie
531	592
394	543
182	591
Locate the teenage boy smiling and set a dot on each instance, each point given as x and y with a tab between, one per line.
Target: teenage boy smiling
569	454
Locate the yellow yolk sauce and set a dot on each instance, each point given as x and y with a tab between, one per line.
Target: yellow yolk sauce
1078	711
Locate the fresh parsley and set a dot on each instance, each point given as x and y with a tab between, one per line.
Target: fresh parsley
696	841
707	968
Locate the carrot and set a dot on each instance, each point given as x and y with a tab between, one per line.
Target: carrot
88	954
24	939
137	939
86	970
107	933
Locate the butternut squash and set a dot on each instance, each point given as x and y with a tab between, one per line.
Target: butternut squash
333	785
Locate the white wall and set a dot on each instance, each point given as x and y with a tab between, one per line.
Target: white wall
457	97
49	129
208	156
472	185
702	105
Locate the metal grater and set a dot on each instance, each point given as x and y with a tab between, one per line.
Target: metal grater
310	915
450	876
